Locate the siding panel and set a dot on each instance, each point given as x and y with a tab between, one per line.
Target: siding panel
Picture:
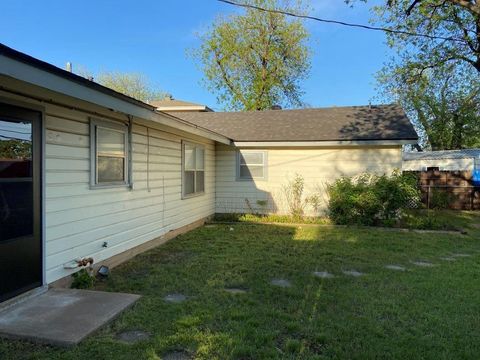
79	220
317	166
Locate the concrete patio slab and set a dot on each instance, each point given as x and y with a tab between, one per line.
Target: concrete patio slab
62	317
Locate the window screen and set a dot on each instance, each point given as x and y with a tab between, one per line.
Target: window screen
193	169
251	165
109	153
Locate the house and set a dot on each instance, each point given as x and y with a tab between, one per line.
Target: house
89	173
445	160
170	104
269	148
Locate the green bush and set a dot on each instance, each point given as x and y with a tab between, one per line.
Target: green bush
371	199
82	280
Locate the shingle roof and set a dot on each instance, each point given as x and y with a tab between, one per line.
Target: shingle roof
444	154
381	122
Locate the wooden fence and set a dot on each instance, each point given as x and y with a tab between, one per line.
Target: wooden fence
448	189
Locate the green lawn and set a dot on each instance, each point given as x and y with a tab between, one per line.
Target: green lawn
422	313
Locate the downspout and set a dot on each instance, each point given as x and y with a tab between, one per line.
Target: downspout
130	152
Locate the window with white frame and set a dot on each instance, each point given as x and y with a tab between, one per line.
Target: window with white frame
109	153
251	165
193	172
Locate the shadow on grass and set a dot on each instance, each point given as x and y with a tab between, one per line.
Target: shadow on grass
381	314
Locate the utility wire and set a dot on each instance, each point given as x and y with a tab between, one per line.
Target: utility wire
329	21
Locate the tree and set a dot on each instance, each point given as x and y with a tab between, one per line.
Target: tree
445	109
256	60
436	80
458	20
135	85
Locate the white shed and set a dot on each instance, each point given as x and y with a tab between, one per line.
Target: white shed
449	160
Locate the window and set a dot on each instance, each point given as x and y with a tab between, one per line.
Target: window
193	179
109	153
251	165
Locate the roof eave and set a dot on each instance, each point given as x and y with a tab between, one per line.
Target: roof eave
327	143
32	71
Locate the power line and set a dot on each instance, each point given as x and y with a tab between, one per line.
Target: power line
329	21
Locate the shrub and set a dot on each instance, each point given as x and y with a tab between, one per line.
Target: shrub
82	280
371	199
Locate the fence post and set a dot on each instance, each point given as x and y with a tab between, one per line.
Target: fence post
428	197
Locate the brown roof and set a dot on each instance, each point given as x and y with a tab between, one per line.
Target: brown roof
380	122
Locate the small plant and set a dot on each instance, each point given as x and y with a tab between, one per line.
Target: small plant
315	202
82	280
294	194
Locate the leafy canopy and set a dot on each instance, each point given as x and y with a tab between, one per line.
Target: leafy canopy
135	85
256	59
437	81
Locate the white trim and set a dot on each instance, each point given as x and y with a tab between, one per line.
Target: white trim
30	74
264	165
196	145
96	123
182	108
273	144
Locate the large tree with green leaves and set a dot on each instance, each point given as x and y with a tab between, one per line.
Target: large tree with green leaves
136	85
256	59
435	74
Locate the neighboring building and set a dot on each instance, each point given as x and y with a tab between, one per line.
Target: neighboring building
451	160
87	172
172	105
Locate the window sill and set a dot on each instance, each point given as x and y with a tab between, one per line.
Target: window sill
252	179
189	196
110	186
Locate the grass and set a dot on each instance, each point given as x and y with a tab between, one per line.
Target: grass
421	219
423	313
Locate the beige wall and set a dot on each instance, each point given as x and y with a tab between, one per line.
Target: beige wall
78	220
318	166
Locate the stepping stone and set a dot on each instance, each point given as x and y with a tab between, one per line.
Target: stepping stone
235	291
395	267
323	274
175	298
423	263
461	255
177	355
448	258
353	273
133	336
281	283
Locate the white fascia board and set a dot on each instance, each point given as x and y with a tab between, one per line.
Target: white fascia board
277	144
181	108
32	75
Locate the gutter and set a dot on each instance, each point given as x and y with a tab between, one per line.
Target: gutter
22	67
329	143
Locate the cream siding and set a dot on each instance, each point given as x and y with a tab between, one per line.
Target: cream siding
79	220
318	166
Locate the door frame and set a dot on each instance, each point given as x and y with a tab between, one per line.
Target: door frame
40	133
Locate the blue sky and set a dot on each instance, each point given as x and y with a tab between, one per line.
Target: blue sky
152	37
